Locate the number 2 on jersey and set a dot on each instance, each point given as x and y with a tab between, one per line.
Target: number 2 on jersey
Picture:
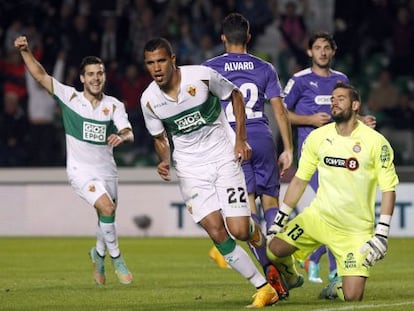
250	94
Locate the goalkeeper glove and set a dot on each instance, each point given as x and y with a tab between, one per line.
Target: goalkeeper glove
280	221
376	248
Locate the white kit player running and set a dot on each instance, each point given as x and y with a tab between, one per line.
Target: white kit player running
183	104
94	123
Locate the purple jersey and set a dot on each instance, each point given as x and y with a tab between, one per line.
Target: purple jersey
258	82
256	79
307	93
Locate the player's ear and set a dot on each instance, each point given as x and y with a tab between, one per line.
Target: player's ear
356	105
309	52
223	38
249	37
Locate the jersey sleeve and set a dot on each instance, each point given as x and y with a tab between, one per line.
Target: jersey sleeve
292	93
219	85
384	165
273	86
120	116
152	122
308	160
63	93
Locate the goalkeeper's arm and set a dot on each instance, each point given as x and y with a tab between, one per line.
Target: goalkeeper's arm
293	194
376	248
387	209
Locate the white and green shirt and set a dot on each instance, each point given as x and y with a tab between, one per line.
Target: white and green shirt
87	128
196	123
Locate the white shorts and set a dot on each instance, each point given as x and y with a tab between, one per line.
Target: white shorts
91	187
214	186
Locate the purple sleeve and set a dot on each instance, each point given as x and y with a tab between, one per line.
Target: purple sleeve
292	93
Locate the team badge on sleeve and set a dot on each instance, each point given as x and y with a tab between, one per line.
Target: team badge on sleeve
385	156
289	86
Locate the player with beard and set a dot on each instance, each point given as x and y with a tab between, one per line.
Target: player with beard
353	160
307	97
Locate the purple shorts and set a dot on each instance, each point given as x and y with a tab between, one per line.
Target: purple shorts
261	171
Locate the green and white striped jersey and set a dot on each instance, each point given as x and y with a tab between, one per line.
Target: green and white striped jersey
87	128
196	122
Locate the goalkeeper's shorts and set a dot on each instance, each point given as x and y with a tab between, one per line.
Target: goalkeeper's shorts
308	231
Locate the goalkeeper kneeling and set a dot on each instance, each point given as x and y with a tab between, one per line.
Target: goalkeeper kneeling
352	161
355	251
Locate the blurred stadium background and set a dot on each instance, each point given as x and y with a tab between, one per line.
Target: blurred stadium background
375	39
376	49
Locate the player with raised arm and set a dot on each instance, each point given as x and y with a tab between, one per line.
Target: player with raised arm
353	160
259	83
94	124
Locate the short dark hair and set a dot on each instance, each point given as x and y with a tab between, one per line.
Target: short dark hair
236	28
322	35
353	92
89	60
159	43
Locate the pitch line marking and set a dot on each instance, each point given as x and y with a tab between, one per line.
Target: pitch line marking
368	306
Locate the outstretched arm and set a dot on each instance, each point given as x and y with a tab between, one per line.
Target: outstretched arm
33	66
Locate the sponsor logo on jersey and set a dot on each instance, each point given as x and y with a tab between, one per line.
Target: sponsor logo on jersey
156	106
323	99
351	164
231	66
191	90
94	132
314	84
190	121
92	188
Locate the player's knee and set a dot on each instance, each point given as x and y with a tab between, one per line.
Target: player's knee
348	293
279	248
240	229
107	209
240	233
105	206
352	296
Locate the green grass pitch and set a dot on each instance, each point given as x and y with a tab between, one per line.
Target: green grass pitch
170	274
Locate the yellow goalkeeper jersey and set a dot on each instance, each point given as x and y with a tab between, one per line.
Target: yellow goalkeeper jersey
351	168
